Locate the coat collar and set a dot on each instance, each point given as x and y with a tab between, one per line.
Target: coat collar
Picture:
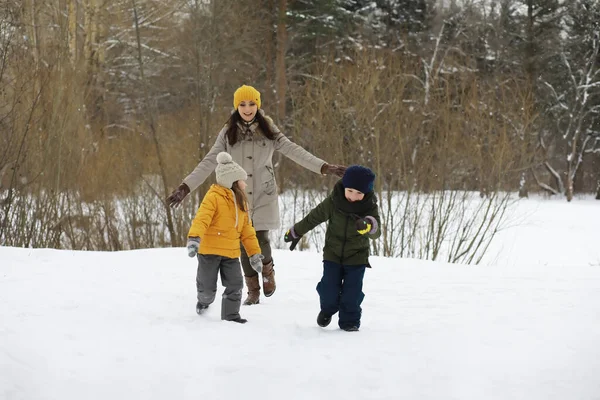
249	128
222	190
229	195
360	208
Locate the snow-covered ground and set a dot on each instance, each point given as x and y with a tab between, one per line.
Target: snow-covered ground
92	325
549	232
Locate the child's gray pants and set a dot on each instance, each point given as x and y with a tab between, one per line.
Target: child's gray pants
231	278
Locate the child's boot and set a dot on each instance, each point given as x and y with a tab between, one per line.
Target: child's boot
323	319
268	274
200	308
253	290
351	328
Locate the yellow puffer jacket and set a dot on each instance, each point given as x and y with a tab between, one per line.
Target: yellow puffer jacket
219	223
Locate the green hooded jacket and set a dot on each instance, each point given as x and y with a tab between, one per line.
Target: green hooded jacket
343	244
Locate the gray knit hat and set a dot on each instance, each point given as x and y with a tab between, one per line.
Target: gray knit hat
228	171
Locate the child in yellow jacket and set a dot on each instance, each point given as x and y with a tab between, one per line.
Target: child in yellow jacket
214	238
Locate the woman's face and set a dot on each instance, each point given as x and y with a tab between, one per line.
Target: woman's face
247	110
242	185
353	195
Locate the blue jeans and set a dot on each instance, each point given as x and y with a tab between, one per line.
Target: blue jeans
340	289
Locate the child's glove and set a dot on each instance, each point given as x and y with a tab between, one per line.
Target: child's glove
291	236
366	225
193	244
256	262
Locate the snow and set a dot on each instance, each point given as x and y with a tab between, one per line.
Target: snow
545	231
122	325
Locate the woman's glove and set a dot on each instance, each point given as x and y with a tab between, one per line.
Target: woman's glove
256	262
178	195
193	244
366	225
291	236
332	169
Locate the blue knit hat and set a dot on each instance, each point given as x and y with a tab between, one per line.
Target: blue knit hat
359	178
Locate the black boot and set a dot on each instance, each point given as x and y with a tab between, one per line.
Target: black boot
352	328
323	319
239	320
200	308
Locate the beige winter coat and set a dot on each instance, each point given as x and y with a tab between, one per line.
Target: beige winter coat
254	152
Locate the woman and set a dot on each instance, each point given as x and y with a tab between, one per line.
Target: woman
251	138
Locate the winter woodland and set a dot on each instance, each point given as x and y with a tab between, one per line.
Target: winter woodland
460	107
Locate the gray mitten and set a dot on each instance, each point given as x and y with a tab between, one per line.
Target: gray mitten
193	244
256	262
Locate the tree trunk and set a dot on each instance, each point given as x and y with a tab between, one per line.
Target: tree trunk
101	29
90	33
530	47
32	27
579	181
208	95
269	46
280	61
570	177
523	186
569	188
72	38
31	18
598	177
572	165
150	119
99	33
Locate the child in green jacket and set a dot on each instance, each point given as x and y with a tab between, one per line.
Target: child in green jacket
353	217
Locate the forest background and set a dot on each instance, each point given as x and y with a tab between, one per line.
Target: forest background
105	105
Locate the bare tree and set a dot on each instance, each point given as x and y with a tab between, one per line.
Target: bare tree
576	115
431	145
150	119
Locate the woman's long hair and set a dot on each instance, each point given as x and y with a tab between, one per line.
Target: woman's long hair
232	129
240	196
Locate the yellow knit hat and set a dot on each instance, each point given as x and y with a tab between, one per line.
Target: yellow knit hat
246	93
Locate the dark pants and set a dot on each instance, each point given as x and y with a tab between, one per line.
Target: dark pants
340	290
265	249
209	267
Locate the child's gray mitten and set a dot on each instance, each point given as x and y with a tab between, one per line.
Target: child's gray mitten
193	244
256	262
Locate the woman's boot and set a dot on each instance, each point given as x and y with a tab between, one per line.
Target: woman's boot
253	290
268	274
